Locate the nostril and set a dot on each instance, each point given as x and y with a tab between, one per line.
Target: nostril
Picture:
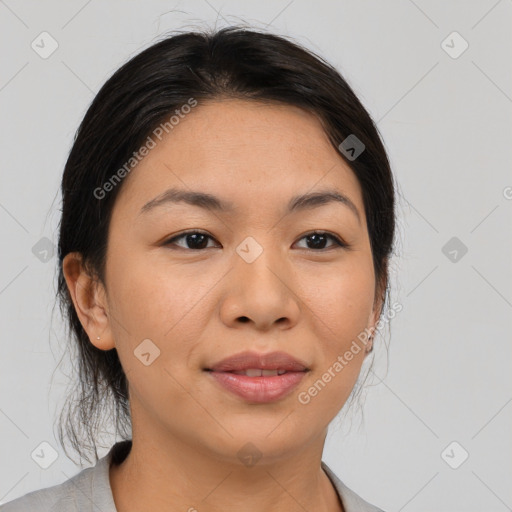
243	319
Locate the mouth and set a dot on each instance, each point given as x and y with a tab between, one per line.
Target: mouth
259	378
256	362
258	372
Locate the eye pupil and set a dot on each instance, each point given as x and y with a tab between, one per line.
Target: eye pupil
316	240
192	240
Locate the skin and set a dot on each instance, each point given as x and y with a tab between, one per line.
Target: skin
311	303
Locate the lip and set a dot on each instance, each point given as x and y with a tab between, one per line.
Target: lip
269	361
262	389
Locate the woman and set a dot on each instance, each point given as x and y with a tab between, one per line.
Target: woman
227	222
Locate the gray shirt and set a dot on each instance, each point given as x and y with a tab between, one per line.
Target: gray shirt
90	491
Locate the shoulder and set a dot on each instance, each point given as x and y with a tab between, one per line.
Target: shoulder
58	497
83	492
352	502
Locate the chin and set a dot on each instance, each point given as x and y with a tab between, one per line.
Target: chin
266	438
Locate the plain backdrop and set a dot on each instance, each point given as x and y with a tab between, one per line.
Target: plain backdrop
436	77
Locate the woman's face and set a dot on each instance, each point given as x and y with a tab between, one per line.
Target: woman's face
252	280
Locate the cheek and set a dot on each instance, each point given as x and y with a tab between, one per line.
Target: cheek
339	305
341	301
153	299
155	302
157	299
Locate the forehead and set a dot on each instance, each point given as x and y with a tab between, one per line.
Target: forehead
245	151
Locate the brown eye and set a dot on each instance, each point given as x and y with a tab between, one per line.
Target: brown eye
318	240
195	240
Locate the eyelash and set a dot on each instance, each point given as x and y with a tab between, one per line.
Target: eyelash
338	242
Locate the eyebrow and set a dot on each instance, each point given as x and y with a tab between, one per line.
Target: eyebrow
210	202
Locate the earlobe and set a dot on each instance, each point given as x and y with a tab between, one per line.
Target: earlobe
89	300
374	318
369	344
372	327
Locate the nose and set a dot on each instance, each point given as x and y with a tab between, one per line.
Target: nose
261	293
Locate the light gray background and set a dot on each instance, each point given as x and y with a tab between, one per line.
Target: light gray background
447	125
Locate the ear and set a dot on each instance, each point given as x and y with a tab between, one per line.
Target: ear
378	304
376	311
90	301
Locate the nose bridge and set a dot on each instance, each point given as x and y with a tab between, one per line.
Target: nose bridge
251	265
261	291
259	276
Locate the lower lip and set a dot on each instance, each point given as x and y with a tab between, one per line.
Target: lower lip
259	389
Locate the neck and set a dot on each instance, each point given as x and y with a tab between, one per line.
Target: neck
166	475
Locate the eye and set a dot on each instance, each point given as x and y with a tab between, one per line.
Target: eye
318	239
195	240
